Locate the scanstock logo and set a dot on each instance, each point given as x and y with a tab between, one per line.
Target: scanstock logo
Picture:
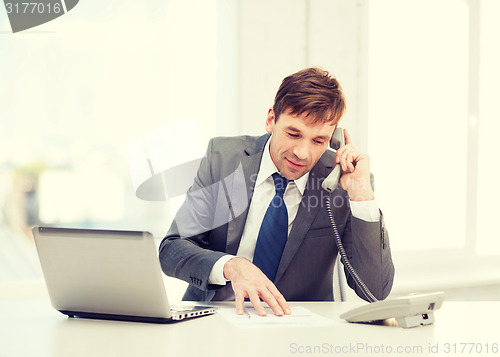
24	14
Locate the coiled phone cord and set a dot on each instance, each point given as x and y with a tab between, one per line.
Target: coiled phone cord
343	254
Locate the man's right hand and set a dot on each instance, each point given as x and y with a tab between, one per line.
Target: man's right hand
248	281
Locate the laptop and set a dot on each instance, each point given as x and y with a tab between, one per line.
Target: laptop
106	274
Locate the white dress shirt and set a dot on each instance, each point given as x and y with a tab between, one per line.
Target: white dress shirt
263	194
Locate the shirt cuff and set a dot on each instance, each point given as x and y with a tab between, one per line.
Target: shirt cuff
365	210
217	274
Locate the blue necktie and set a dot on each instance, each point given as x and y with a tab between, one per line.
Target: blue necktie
273	231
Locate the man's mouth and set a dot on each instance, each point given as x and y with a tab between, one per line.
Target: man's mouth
295	165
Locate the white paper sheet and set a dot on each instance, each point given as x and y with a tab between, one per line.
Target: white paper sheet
300	317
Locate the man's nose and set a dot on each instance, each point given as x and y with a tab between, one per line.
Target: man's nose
301	150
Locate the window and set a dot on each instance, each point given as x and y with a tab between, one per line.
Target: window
488	234
418	67
75	95
433	119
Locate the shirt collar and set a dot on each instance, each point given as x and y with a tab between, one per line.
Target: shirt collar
267	168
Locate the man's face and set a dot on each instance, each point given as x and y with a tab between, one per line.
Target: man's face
296	144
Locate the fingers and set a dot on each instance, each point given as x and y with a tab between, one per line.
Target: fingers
269	294
281	302
239	299
248	281
273	302
255	300
274	299
347	158
277	304
347	154
355	166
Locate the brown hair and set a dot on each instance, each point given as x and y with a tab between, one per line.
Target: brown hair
312	91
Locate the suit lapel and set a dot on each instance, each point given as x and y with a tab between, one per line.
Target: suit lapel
308	210
250	163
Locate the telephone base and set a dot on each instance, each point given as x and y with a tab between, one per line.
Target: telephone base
416	320
408	311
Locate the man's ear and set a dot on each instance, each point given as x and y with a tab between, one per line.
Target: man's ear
270	120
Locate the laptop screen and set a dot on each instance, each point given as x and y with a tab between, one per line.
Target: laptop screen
102	271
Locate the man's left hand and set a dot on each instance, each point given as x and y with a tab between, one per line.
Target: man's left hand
355	166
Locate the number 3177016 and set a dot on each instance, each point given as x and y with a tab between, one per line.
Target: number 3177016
33	8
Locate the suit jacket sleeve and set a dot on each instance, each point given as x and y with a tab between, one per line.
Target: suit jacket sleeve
185	252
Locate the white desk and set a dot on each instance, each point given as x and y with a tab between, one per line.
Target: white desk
33	328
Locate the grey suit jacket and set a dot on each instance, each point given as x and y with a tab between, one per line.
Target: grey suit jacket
210	224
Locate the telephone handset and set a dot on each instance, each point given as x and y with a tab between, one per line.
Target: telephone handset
409	311
336	142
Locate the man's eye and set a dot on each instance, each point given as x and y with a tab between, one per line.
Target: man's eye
319	142
293	135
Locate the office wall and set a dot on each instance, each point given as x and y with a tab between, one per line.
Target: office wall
277	38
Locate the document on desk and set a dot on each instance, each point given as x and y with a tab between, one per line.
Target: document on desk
299	317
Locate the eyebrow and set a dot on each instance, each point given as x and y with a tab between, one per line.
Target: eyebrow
295	130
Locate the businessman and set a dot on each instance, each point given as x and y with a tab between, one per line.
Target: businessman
254	223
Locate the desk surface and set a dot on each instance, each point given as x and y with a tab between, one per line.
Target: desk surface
33	328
